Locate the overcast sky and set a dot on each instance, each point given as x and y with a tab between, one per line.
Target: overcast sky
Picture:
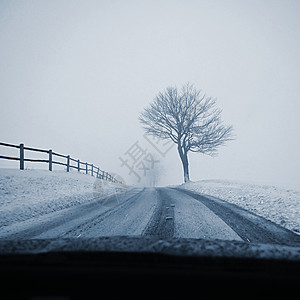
74	76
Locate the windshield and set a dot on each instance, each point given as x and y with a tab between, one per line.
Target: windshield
154	126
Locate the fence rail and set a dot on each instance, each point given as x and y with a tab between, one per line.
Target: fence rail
87	168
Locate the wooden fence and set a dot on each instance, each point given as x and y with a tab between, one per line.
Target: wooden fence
80	166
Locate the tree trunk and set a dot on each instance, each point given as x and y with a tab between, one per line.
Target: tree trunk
185	163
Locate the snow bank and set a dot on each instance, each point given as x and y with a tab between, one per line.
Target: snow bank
282	206
25	194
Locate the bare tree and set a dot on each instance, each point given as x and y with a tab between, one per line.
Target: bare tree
189	119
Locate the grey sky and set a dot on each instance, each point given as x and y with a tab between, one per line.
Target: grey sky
74	76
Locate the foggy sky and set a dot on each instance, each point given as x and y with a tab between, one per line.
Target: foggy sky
74	76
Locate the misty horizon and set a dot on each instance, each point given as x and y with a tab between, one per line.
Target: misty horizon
75	77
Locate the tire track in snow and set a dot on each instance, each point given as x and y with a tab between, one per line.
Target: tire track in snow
161	223
56	224
250	227
84	228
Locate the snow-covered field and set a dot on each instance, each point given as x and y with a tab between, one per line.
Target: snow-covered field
32	193
28	194
281	206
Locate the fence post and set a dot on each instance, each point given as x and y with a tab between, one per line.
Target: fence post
86	168
68	163
97	172
21	156
92	170
78	165
50	160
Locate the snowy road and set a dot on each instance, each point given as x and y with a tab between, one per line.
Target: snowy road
160	212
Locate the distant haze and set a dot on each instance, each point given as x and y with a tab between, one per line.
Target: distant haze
74	76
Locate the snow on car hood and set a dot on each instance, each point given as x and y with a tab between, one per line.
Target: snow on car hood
174	246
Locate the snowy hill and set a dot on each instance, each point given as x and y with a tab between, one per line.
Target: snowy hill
32	193
281	206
